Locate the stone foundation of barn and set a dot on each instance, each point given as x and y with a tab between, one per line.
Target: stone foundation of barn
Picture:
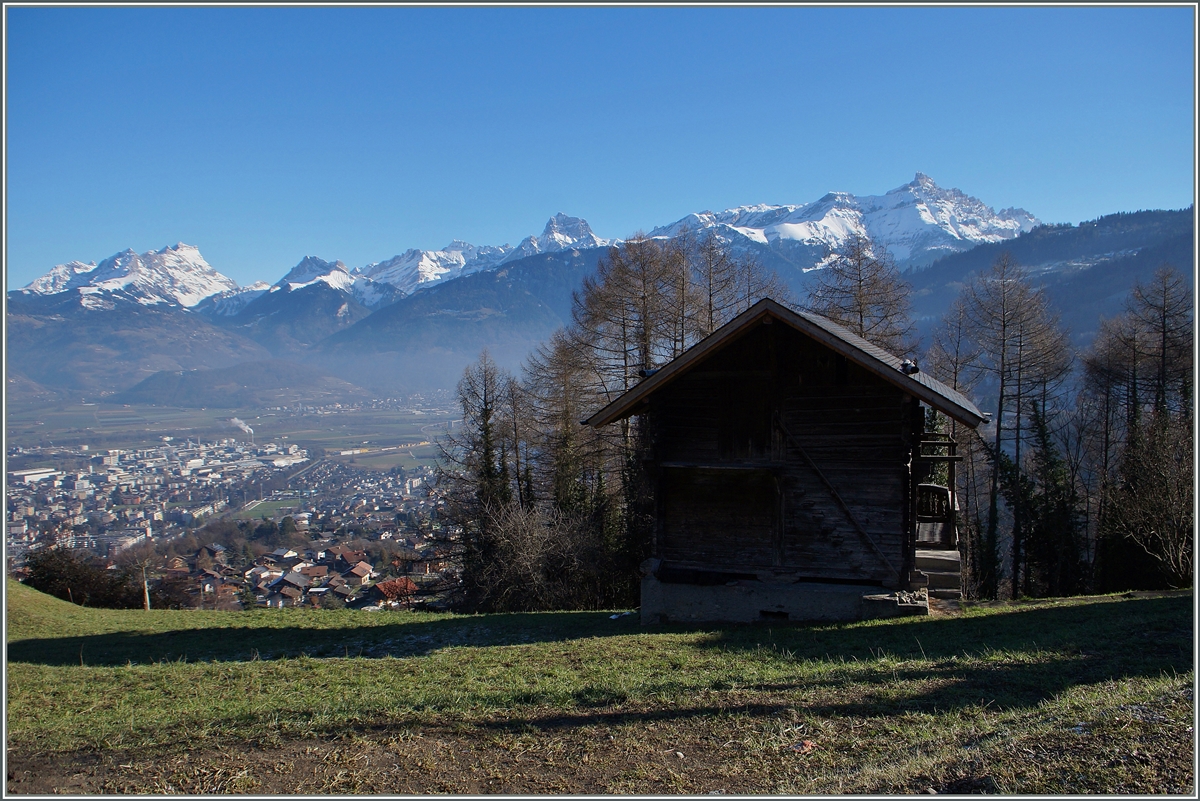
750	601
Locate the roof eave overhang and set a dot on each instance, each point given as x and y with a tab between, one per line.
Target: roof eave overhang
630	402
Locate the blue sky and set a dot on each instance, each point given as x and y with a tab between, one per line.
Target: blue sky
263	135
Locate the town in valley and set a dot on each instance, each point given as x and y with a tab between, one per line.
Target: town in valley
237	522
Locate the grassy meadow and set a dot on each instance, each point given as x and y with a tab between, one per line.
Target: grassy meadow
1077	695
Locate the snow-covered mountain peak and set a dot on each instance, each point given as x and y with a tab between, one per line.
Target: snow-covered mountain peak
563	233
836	198
416	268
359	284
182	249
61	277
921	220
175	274
459	246
310	269
916	222
923	180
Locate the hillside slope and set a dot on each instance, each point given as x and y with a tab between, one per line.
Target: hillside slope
30	614
58	343
1086	269
273	701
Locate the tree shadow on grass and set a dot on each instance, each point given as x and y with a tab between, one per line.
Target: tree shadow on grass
367	638
928	666
1017	659
1116	628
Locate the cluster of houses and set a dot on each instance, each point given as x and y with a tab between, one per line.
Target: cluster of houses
320	576
334	490
119	498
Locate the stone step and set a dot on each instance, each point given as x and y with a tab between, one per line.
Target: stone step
943	580
917	580
943	561
946	595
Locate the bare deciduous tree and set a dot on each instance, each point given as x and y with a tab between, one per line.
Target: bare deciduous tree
1138	379
1025	353
1153	507
1162	310
952	358
861	289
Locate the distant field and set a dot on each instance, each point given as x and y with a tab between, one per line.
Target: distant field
402	457
267	509
1072	696
104	426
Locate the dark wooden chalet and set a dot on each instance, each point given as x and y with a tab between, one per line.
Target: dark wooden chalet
788	459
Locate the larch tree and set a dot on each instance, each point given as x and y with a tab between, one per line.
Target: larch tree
953	358
1162	310
717	282
1025	355
862	290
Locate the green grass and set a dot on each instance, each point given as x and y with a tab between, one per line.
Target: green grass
887	703
267	509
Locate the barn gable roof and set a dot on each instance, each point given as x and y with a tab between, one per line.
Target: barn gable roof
858	350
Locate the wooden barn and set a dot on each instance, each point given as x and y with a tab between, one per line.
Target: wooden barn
790	459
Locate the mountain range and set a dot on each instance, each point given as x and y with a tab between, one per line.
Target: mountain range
414	320
916	222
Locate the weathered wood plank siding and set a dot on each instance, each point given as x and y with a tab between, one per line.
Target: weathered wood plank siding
719	517
733	411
